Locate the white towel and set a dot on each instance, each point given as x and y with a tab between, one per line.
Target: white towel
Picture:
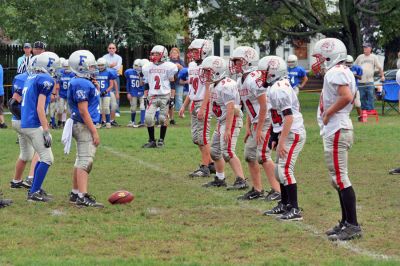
67	135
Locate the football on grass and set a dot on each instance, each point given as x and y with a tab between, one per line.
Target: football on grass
121	197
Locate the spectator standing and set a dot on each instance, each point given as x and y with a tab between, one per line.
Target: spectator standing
23	61
2	123
38	47
368	62
174	57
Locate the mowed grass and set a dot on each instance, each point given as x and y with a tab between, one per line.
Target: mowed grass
174	221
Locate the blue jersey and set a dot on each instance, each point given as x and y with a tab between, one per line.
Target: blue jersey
83	90
183	75
133	83
104	77
63	81
357	70
295	75
35	85
18	86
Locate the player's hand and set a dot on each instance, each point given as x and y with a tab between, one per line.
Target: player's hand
53	98
171	102
259	137
200	114
47	139
383	79
103	93
325	119
248	133
182	112
281	150
96	138
273	140
129	96
227	136
117	96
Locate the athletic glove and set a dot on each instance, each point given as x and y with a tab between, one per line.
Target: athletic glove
146	102
141	74
47	139
15	108
273	138
103	93
171	102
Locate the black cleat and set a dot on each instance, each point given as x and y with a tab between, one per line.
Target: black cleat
335	230
252	195
211	166
150	144
72	198
240	183
273	195
292	215
88	201
38	196
395	171
114	123
160	143
28	181
347	232
216	183
277	210
21	184
203	171
172	122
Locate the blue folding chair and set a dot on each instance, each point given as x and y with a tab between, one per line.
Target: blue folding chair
390	97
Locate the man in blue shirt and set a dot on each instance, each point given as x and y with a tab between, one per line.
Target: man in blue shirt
34	125
357	72
297	75
62	106
135	90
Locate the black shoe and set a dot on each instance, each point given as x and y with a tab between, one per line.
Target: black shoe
277	210
240	183
54	126
216	183
273	195
160	143
73	197
395	171
28	181
20	184
252	195
3	125
211	166
88	201
5	202
335	230
347	232
150	144
172	122
44	193
203	171
37	196
114	123
292	215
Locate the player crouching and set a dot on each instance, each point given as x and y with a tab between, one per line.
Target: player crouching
83	101
288	127
225	102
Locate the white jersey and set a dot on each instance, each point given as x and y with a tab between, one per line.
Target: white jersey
197	88
158	77
221	95
334	77
281	96
249	91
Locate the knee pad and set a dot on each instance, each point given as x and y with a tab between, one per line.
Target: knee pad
133	108
48	160
215	156
149	120
25	157
84	163
226	156
162	119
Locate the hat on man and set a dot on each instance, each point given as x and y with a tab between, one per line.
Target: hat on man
27	45
367	44
39	45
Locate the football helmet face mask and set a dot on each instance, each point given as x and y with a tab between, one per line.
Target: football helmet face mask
65	66
199	49
83	64
137	65
158	54
328	52
244	59
292	61
46	62
349	61
212	69
273	68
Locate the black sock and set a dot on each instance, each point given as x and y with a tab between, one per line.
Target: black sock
342	207
284	195
349	202
292	195
163	131
151	133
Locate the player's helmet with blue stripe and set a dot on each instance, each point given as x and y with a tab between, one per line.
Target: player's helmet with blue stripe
47	62
83	63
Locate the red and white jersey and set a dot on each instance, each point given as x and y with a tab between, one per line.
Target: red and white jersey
334	77
249	91
158	77
222	94
281	96
197	88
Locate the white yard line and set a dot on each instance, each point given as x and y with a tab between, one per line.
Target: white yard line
348	245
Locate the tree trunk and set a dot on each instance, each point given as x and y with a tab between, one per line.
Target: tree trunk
272	47
351	27
391	50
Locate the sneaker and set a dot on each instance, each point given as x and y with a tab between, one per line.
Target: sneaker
172	122
3	125
395	171
240	183
73	197
44	193
117	114
114	123
5	202
273	195
150	144
335	230
203	171
108	125
37	196
141	125
211	166
347	232
160	143
252	195
20	184
277	210
130	124
292	215
88	201
216	183
98	126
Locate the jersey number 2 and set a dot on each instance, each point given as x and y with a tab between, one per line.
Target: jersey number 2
157	80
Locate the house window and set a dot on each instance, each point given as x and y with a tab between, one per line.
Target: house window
227	50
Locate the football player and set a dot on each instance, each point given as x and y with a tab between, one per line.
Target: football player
336	129
198	50
297	74
106	79
159	92
34	125
83	101
288	134
225	102
63	82
135	90
357	72
244	63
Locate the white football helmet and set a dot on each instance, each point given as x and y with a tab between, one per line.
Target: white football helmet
212	69
83	63
32	62
101	63
273	68
46	62
292	61
244	59
144	62
158	54
349	61
199	49
328	52
137	65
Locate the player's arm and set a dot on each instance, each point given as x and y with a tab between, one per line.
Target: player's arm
42	112
230	113
287	125
248	130
344	98
262	100
17	97
205	103
303	81
84	112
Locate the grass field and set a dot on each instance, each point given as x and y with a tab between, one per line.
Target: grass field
174	221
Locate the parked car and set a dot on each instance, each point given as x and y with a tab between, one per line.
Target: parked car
389	75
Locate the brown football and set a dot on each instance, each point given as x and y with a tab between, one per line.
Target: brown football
121	197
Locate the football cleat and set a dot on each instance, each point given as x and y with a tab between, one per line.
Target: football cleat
38	196
347	232
216	183
28	181
114	123
211	166
21	184
131	124
277	210
292	215
395	171
172	122
150	144
203	171
273	195
240	183
335	230
160	143
88	201
252	195
73	197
